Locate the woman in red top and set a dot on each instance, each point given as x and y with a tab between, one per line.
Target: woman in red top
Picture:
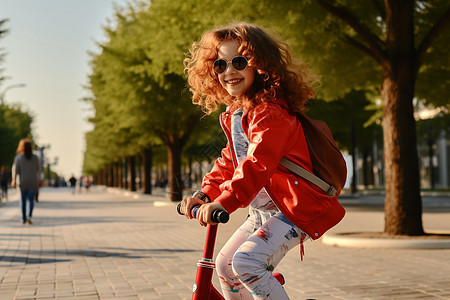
251	72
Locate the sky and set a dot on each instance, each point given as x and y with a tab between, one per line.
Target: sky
47	50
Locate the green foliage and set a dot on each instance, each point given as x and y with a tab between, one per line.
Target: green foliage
316	37
328	44
433	81
8	145
16	126
138	100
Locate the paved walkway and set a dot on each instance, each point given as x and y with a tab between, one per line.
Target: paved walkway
108	245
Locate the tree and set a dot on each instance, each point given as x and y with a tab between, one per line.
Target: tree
15	123
17	126
144	103
400	58
122	128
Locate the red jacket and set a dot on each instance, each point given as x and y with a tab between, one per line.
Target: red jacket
273	133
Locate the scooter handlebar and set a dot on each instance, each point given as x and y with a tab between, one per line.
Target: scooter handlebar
218	216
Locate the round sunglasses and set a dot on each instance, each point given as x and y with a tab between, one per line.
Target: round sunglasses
239	63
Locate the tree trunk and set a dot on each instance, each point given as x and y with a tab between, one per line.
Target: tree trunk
147	162
354	182
139	170
123	172
430	161
365	167
403	203
125	175
175	182
111	176
118	174
104	177
132	173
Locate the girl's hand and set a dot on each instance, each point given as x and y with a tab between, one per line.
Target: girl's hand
205	212
187	204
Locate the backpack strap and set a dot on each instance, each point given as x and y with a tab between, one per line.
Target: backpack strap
296	169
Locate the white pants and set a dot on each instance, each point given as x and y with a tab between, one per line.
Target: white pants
246	262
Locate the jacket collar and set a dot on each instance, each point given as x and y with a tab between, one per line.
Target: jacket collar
232	108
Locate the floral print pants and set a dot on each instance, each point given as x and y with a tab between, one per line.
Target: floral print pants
246	262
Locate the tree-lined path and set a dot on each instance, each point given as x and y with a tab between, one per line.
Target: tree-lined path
109	245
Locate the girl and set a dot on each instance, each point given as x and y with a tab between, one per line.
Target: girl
251	72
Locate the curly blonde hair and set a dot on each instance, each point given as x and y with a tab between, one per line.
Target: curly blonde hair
277	74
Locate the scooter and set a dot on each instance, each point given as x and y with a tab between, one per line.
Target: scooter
203	288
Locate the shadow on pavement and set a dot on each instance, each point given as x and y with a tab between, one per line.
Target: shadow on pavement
159	253
29	260
24	235
158	250
42	221
83	204
376	203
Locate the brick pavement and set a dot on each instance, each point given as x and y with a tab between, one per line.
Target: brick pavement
107	245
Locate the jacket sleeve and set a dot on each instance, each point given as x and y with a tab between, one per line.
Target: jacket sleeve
271	134
222	170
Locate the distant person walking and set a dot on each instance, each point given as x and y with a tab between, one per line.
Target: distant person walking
80	183
87	183
25	174
73	183
4	177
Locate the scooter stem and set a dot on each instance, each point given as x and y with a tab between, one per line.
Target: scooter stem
203	287
211	233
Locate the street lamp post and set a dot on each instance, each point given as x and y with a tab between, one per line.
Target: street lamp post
42	158
12	86
55	162
2	96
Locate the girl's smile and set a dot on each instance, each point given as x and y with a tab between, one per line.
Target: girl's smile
234	82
